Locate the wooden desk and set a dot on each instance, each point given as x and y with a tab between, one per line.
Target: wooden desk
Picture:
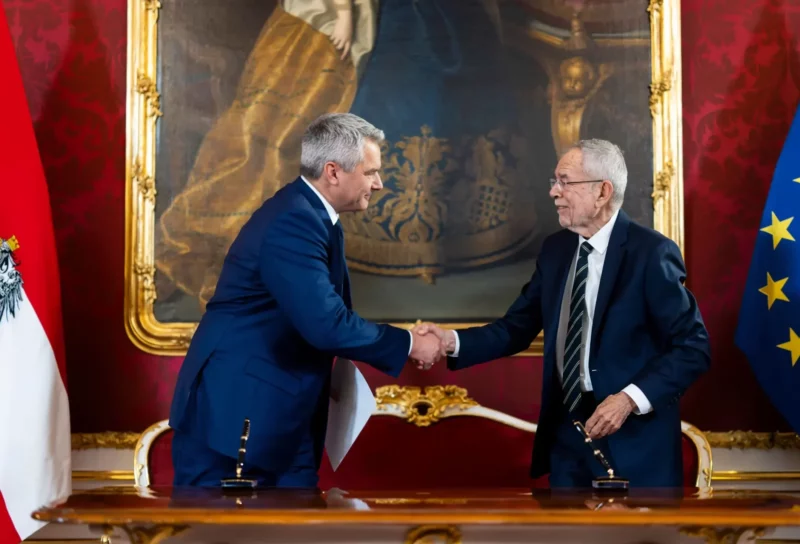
150	515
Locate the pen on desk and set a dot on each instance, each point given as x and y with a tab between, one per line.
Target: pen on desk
242	448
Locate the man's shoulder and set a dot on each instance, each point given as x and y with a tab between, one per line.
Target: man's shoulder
288	204
557	240
647	237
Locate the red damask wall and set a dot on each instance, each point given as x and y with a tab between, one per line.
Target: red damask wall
741	86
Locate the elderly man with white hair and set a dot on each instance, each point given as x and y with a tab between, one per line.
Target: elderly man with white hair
623	336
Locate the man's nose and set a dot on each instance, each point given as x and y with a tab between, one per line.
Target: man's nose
378	184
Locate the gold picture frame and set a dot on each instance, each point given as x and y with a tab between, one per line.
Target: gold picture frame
144	109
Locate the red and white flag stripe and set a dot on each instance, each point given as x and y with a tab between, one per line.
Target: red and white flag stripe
35	467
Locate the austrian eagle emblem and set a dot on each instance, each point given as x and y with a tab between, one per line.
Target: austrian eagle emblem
10	280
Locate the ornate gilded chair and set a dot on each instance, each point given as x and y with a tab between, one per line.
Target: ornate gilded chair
152	456
472	446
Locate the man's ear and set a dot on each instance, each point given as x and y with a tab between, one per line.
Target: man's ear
330	172
606	192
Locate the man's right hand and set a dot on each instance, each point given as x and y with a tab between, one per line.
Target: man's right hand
427	350
446	336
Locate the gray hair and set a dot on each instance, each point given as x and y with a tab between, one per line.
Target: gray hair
335	137
604	160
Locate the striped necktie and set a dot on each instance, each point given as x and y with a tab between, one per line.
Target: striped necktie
574	340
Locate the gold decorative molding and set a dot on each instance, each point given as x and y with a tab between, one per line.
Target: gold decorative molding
754	476
655	5
152	5
433	534
754	440
146	184
420	408
109	439
666	110
144	109
147	88
102	475
657	91
663	182
725	535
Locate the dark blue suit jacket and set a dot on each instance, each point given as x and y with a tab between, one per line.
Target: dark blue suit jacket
263	349
647	331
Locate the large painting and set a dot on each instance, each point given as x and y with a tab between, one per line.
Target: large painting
478	99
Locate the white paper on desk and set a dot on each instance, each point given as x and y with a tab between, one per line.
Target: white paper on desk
350	407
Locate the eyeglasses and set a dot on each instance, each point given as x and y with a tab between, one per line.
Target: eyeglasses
563	184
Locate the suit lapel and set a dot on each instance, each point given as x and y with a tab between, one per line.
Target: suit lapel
301	186
564	256
562	273
614	257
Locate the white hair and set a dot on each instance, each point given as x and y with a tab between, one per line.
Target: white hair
336	137
603	160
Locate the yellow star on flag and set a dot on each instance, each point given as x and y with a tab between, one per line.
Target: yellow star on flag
796	180
779	230
774	290
793	345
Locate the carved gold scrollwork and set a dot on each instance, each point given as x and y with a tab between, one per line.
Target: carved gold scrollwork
752	440
145	183
420	408
146	274
663	182
657	90
110	439
147	87
655	5
152	5
433	534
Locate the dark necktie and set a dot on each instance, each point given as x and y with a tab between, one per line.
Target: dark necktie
574	340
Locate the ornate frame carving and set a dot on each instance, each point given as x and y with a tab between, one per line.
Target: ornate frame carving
143	111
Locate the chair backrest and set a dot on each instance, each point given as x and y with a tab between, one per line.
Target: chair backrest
152	456
419	445
415	440
697	461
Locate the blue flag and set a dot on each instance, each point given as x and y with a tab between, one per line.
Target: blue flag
769	320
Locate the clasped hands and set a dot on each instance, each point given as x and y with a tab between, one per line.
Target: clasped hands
431	344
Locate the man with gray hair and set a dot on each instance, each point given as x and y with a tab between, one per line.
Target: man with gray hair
281	312
623	335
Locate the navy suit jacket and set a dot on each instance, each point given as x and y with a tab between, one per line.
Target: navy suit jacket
647	331
263	349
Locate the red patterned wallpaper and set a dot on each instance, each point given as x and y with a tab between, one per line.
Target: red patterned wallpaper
741	84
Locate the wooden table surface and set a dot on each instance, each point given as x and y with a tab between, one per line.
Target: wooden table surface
171	506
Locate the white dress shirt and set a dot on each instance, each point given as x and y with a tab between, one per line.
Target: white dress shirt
334	218
596	259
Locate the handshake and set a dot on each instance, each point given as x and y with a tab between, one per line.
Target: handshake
431	344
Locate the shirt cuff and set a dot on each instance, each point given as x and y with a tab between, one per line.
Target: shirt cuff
643	405
411	344
458	346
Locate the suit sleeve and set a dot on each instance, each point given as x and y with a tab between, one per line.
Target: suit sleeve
294	268
506	336
674	313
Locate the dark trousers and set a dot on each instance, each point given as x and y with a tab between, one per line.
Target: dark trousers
195	464
572	463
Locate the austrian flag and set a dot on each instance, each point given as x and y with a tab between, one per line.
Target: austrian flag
34	412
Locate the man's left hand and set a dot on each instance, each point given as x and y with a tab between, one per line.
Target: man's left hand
609	415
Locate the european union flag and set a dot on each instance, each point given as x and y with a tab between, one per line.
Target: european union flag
769	319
